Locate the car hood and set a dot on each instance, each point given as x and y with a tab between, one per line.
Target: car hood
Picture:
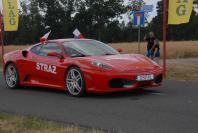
126	62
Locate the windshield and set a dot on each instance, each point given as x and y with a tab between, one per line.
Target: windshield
88	48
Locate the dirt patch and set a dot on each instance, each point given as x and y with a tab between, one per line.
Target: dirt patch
183	69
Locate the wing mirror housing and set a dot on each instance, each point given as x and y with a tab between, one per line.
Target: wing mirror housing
120	50
25	53
54	54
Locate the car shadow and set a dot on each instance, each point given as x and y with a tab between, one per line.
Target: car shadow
134	94
43	90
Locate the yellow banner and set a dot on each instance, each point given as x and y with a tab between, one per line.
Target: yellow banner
10	15
179	11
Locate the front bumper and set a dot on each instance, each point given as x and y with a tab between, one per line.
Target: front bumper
104	82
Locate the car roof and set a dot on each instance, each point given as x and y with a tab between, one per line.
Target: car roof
60	41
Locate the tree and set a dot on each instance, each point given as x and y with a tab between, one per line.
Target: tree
96	19
99	13
30	24
36	25
57	14
135	5
175	32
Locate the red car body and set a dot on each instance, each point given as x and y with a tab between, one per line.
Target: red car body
36	70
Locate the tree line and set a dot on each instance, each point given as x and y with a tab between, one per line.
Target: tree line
96	19
188	31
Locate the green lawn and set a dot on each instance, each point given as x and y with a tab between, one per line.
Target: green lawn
20	124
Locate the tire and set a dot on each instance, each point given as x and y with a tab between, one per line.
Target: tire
75	82
12	77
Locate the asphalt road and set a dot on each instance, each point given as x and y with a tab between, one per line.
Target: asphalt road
172	108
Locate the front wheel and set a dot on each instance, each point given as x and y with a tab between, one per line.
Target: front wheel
75	82
11	76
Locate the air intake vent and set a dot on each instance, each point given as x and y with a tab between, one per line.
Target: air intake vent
120	83
158	79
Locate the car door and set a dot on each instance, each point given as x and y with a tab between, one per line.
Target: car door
48	70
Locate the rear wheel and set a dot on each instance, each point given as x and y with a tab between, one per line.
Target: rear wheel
11	76
75	82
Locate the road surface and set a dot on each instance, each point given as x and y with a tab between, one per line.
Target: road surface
172	108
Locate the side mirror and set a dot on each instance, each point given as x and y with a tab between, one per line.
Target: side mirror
54	54
25	53
120	50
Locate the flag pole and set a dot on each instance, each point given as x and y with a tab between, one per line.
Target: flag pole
164	37
1	36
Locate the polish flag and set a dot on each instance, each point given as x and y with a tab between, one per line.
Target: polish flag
78	34
45	37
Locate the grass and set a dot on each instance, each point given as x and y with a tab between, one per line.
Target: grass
183	70
182	49
182	73
21	124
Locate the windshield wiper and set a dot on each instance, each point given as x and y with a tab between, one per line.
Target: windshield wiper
79	55
109	54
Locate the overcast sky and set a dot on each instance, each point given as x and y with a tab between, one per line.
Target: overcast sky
152	2
151	14
148	2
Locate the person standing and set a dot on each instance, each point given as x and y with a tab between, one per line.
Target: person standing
153	48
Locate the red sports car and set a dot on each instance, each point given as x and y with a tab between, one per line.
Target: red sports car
79	66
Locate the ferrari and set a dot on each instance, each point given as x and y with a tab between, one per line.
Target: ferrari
80	66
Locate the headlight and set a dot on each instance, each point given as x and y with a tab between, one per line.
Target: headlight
154	63
101	65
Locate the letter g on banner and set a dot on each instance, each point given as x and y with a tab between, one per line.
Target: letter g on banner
181	10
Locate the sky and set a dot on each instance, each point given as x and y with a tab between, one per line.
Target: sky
125	17
151	14
152	2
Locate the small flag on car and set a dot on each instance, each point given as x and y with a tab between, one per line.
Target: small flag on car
78	34
45	37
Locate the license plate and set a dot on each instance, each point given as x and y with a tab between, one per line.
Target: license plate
145	77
